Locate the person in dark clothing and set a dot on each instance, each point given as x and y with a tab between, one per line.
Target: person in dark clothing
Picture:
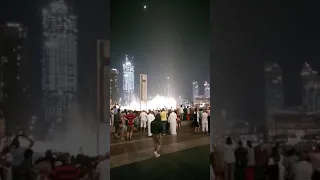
117	117
156	130
25	169
241	155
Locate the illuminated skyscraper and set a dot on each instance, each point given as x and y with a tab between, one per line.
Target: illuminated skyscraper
15	76
195	89
310	89
167	88
206	89
114	90
59	60
274	88
128	81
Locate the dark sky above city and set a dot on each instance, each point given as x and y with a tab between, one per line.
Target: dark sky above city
244	36
170	38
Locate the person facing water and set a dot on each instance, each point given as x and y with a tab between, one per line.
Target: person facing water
156	130
164	119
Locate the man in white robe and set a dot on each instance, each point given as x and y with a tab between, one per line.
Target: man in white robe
173	123
150	118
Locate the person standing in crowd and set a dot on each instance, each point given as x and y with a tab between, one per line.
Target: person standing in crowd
204	122
217	163
261	159
241	155
6	164
229	160
185	110
25	169
44	165
196	121
122	127
18	153
117	117
111	117
249	171
143	120
156	130
315	161
289	162
67	169
103	168
178	123
164	120
173	123
208	111
181	112
188	112
130	125
302	170
150	118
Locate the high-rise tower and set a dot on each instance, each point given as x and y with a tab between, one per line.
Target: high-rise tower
274	88
15	97
195	89
206	89
128	81
114	90
59	60
310	89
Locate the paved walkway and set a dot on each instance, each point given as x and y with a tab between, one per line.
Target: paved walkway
141	146
188	164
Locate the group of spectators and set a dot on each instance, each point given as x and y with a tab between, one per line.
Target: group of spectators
245	162
22	163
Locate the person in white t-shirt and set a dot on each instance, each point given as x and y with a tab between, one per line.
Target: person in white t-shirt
143	120
302	170
204	122
103	168
150	118
112	117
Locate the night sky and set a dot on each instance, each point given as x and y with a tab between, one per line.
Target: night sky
244	36
170	39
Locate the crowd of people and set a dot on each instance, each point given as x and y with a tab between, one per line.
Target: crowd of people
126	122
22	163
245	162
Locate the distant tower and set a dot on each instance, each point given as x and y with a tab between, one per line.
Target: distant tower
59	60
167	87
206	89
274	88
311	88
114	90
195	89
128	81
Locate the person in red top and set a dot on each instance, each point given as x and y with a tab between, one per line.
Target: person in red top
66	171
130	119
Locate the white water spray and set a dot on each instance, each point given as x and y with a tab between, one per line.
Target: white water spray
81	134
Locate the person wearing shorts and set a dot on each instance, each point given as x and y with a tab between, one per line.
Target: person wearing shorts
130	127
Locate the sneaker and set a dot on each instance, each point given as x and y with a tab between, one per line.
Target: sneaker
116	135
156	154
